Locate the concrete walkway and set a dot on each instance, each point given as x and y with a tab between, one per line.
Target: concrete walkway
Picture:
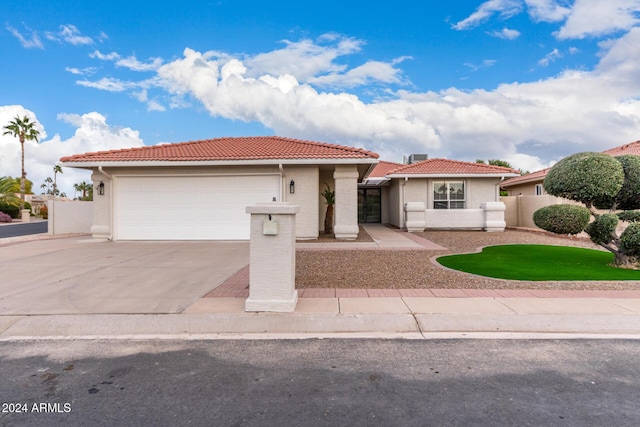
383	238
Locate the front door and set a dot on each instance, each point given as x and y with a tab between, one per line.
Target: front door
369	204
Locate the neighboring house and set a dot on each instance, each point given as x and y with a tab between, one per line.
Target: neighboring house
532	184
199	190
446	194
520	206
526	185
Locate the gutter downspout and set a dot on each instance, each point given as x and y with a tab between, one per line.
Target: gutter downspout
283	183
111	211
402	204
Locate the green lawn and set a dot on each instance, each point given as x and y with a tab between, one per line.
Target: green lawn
539	263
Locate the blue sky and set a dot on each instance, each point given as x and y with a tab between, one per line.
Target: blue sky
528	81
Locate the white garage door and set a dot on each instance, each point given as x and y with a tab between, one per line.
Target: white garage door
189	207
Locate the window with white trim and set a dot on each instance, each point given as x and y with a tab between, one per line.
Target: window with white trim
449	195
539	190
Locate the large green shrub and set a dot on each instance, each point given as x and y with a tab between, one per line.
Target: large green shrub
602	229
11	210
562	219
630	239
628	197
589	178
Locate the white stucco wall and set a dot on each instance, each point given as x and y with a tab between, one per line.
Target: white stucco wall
455	218
394	203
306	196
478	191
70	216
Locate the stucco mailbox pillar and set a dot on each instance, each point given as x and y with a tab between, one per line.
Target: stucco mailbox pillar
272	258
494	216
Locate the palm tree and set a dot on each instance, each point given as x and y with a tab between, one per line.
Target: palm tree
24	130
56	170
330	199
87	193
8	192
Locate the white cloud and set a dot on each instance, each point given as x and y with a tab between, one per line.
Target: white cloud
113	56
504	8
304	59
505	33
69	34
369	73
547	10
81	72
33	41
592	18
487	63
93	133
109	84
133	64
550	57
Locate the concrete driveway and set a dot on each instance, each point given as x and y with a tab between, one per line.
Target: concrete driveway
81	276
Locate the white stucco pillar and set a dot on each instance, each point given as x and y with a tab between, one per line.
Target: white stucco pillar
101	227
346	207
272	257
25	215
416	219
494	216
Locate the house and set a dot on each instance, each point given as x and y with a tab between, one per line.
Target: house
446	194
526	193
532	184
199	190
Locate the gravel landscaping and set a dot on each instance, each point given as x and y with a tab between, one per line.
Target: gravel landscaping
389	269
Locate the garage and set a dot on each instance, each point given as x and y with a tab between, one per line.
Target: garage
189	207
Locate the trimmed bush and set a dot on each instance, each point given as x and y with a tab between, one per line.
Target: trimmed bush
562	219
629	216
630	239
44	211
4	217
629	196
12	211
602	229
589	178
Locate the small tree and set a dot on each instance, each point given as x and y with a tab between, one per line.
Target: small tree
24	130
599	182
330	200
56	170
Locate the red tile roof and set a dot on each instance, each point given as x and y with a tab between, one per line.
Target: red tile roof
632	148
383	168
530	177
241	148
450	167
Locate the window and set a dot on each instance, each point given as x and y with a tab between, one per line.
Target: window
449	195
539	190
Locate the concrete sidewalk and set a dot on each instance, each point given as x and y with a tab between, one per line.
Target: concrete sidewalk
408	317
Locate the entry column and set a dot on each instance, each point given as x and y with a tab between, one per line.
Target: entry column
346	208
272	258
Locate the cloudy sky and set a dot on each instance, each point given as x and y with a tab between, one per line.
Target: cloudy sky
527	81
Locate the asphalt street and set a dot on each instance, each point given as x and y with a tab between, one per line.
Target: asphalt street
14	230
320	382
